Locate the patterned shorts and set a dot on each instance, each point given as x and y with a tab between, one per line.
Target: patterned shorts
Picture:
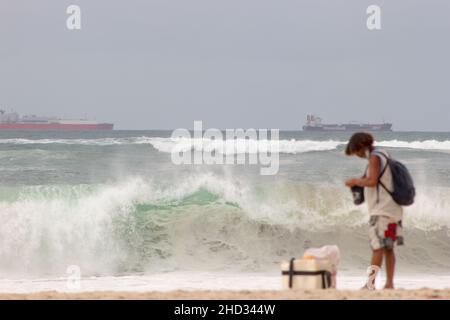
384	232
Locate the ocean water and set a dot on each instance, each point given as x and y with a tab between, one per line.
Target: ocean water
114	204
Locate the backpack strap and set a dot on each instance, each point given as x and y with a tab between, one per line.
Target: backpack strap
384	187
375	152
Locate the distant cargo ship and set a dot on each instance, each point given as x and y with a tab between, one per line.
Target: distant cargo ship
13	121
315	124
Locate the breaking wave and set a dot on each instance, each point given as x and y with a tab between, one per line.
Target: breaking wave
419	145
289	146
202	222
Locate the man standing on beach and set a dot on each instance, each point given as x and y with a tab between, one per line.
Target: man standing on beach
385	230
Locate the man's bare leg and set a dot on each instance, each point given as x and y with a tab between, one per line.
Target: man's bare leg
377	257
390	267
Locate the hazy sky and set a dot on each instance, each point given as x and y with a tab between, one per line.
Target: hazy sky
146	64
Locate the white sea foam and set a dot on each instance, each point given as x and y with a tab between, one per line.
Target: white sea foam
291	146
200	280
419	145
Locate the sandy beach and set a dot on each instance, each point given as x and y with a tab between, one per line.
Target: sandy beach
398	294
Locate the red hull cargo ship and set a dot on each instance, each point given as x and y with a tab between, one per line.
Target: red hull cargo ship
13	121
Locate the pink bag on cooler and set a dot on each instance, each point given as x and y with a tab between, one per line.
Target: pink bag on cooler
330	253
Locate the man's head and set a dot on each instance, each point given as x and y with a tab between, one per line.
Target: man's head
360	144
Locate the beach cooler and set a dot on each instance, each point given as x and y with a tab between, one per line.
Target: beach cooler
317	269
306	274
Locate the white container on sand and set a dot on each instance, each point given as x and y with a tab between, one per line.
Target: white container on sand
316	270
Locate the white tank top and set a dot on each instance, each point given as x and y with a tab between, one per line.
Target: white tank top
380	203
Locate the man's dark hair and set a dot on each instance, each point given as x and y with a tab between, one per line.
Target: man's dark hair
359	141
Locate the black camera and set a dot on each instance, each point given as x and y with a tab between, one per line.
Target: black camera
358	194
